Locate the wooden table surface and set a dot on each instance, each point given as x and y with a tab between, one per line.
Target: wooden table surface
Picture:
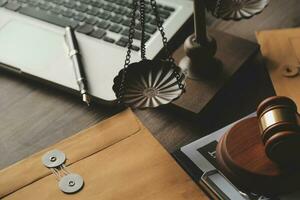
33	116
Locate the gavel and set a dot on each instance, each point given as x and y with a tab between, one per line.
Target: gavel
280	129
262	154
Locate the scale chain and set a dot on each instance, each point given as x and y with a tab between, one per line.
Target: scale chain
177	75
129	45
165	43
142	20
217	8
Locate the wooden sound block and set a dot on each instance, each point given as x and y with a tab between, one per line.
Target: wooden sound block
242	159
234	53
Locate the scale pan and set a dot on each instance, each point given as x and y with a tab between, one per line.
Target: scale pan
149	84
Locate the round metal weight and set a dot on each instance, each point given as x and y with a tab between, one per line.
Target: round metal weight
70	183
53	158
149	84
290	70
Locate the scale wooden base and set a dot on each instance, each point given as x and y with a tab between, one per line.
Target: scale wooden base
242	159
235	54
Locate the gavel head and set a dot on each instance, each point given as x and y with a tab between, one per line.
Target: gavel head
280	130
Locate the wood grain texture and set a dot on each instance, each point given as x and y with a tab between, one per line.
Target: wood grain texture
34	116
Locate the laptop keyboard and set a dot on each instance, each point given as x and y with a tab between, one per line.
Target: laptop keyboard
107	20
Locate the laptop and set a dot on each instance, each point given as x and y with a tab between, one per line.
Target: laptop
32	38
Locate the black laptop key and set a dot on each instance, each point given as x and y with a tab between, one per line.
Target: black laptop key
103	24
148	18
117	19
125	32
154	23
127	12
2	2
91	20
56	10
138	36
85	1
108	39
129	5
121	11
150	29
111	1
124	39
115	28
121	3
160	6
138	27
164	14
126	22
59	2
69	4
33	3
168	8
67	13
45	6
51	18
93	11
12	6
104	15
98	33
81	8
79	17
85	28
108	7
97	4
135	48
121	43
148	8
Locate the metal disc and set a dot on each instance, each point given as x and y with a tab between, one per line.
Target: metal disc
71	183
53	158
290	70
237	9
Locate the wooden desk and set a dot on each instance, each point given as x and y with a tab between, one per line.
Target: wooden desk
33	116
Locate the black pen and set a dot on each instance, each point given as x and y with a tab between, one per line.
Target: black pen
74	53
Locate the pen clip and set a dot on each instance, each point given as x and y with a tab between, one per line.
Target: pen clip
67	45
71	51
